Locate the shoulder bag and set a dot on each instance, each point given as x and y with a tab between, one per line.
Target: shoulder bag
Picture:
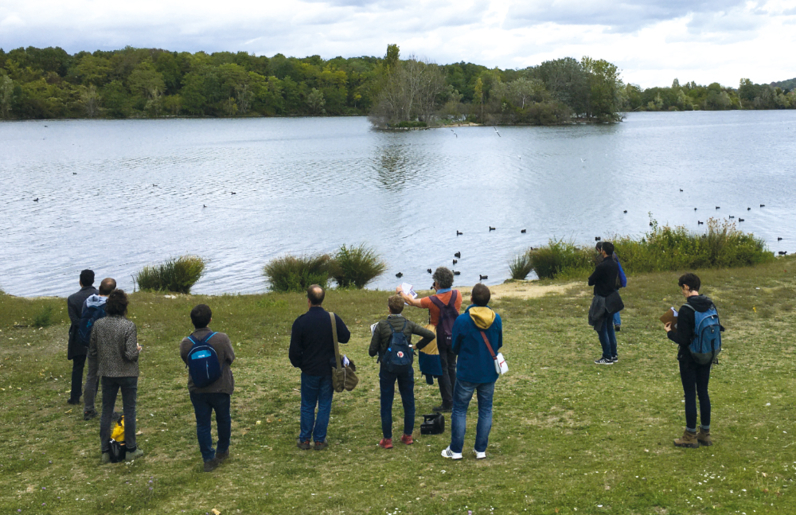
343	376
500	362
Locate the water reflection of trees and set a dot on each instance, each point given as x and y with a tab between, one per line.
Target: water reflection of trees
393	166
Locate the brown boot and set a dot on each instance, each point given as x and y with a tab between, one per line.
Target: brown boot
688	439
703	436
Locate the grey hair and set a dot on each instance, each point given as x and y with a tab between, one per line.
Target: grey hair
443	277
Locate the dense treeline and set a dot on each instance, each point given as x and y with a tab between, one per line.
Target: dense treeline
713	97
50	83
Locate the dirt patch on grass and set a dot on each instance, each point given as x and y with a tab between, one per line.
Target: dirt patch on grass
523	289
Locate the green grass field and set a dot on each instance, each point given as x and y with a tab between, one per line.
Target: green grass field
568	436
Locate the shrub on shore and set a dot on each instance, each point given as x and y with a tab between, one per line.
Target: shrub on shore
291	273
43	317
667	248
355	266
662	249
175	275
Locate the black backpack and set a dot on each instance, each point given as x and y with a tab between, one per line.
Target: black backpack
398	355
447	316
432	424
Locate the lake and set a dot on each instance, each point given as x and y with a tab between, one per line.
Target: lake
115	196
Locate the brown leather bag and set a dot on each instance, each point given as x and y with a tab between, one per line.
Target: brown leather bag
343	377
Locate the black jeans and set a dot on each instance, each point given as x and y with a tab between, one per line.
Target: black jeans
78	363
448	380
110	387
695	383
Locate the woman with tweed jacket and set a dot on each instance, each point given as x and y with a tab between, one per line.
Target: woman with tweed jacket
114	349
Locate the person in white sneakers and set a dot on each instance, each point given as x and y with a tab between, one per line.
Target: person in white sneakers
474	332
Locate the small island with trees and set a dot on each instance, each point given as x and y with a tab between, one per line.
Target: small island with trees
49	83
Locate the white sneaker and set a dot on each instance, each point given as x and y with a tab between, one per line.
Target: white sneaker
448	453
479	455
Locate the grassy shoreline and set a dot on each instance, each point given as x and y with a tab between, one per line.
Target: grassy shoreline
567	434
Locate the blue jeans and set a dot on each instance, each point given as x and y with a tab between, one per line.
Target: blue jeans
695	382
203	406
617	319
462	393
406	385
110	388
315	391
608	337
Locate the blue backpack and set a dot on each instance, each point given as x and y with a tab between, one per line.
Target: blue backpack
398	355
706	343
90	315
203	364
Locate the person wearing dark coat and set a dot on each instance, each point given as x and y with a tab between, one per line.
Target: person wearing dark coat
601	314
75	351
312	350
695	377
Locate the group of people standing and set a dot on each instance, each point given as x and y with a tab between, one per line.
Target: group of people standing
466	346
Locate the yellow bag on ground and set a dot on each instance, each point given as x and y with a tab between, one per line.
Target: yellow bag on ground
117	433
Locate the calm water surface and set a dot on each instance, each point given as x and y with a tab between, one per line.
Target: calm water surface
117	195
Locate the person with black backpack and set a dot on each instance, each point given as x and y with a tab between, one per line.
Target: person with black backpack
443	308
208	356
698	334
392	342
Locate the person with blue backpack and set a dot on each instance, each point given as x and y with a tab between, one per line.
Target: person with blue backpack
698	334
93	310
208	356
392	342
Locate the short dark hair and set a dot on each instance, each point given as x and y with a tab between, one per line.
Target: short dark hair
599	246
107	286
201	315
443	277
691	280
87	277
316	294
608	247
396	304
481	294
117	303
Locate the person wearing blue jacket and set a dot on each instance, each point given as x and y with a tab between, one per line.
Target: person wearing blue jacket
475	371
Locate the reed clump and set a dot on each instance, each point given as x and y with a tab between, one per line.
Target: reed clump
664	248
355	266
297	273
722	245
175	275
521	266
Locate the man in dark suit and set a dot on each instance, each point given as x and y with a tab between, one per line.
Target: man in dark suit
75	351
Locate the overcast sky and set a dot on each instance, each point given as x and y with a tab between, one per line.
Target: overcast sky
652	41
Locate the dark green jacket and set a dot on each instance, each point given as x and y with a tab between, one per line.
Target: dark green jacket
382	334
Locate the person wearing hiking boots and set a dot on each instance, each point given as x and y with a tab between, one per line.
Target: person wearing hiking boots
443	308
114	352
75	352
475	331
694	376
603	307
215	395
312	350
93	310
396	331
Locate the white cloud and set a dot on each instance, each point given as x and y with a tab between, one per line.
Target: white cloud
652	41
